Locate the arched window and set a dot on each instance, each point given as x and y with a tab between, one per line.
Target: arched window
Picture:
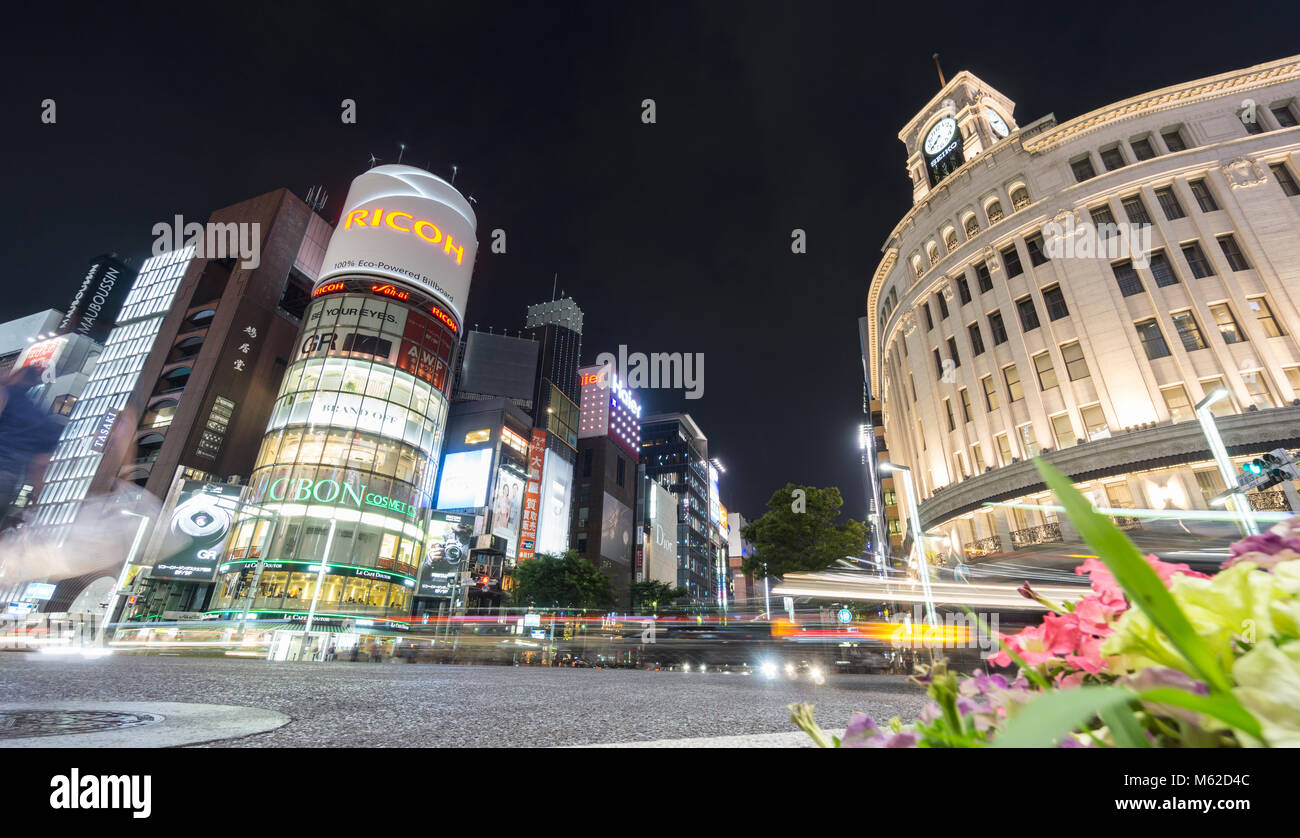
916	266
173	380
950	239
994	211
1019	198
147	448
932	251
187	349
200	319
972	226
160	415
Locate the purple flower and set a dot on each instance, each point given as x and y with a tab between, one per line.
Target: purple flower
860	724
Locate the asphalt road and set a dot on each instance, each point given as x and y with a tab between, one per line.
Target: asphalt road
404	705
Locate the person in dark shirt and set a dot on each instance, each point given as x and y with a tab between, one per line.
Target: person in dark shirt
27	433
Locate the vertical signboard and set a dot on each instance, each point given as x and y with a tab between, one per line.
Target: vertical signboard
532	494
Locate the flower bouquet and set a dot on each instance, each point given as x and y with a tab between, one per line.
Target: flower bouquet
1154	655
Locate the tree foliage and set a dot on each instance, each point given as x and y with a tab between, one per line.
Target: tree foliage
647	594
568	581
798	532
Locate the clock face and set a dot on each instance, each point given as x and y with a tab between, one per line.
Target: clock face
940	135
996	123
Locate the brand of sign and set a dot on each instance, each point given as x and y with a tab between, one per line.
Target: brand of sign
329	491
532	495
102	431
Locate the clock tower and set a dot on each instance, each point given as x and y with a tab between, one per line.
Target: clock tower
963	120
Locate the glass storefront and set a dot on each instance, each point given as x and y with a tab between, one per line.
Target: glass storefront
346	469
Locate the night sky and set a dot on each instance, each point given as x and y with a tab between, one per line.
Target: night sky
672	237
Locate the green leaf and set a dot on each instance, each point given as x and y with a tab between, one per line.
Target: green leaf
1029	672
1228	711
1124	727
1045	720
1139	581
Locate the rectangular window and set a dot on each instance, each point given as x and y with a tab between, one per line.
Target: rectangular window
1204	197
1196	260
1169	203
1173	138
1161	269
1127	278
1142	148
1253	126
929	318
1236	261
984	277
1082	168
990	393
1257	387
1259	305
1028	440
965	404
1104	220
1293	378
1034	244
912	384
586	463
997	329
1046	372
952	351
1075	364
952	422
1153	340
1225	405
1094	422
1028	314
1012	377
1011	261
938	365
621	469
1004	449
1284	115
977	457
1055	302
1136	210
1063	430
1111	158
1189	332
1284	180
1227	323
963	290
943	306
961	463
1178	404
976	339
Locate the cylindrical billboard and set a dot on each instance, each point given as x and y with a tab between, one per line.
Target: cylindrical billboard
409	226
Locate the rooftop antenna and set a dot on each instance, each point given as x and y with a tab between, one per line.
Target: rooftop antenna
942	83
316	198
554	281
402	146
471	199
454	169
373	160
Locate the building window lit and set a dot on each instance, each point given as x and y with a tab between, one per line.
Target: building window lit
1178	404
1063	430
1227	323
1028	441
1012	377
62	405
1046	372
1004	449
1225	406
965	401
1189	332
1094	422
990	393
1075	365
1264	314
1258	389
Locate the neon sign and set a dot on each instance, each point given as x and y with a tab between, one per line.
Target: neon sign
335	492
390	291
426	230
445	318
327	288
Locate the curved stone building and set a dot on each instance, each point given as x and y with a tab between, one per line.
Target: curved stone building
1072	290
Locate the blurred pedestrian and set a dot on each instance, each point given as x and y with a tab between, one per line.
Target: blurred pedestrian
27	433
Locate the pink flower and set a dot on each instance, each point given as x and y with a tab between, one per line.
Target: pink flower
1088	658
1093	616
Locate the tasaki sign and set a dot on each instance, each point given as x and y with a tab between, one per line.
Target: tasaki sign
404	224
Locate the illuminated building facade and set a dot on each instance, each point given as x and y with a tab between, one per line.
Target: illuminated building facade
1072	290
675	454
336	514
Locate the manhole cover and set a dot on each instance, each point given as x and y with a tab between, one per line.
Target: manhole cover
21	724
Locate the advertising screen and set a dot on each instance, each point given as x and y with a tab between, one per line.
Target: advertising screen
463	483
553	520
616	531
661	540
446	552
533	494
507	509
196	531
405	224
715	507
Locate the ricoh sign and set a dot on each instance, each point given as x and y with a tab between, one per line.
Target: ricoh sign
409	226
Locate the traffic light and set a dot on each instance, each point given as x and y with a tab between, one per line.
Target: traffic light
1274	466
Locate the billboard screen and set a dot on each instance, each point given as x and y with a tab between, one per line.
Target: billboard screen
98	300
553	520
405	224
507	508
446	551
463	483
660	563
533	494
196	531
616	531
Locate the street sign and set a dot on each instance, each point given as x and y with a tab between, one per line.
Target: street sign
532	620
845	615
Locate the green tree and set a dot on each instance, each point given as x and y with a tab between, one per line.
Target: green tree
653	593
798	532
568	581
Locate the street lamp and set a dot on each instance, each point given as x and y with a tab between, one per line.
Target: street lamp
121	577
1203	415
918	540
